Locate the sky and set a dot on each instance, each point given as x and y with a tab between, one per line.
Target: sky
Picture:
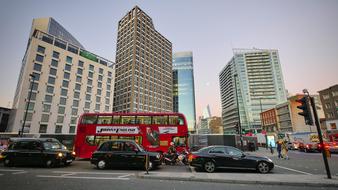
305	32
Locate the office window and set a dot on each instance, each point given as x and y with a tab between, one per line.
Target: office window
41	49
79	71
88	97
63	101
91	67
99	84
30	106
97	107
36	76
60	119
65	83
43	129
106	108
56	54
74	111
58	129
73	120
77	95
50	89
76	103
66	75
80	64
52	71
64	92
72	129
108	87
54	63
90	75
37	67
98	99
107	100
46	108
90	82
69	59
108	80
89	89
44	117
48	98
78	79
39	58
77	87
99	92
68	67
109	74
100	77
51	80
61	110
33	96
107	94
100	70
87	105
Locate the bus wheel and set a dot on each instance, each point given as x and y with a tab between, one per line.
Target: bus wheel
101	164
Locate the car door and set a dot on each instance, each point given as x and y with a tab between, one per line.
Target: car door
35	153
237	160
21	153
116	155
129	154
218	155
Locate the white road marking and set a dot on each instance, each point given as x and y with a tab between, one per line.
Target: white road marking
293	170
19	172
127	175
76	177
102	173
6	170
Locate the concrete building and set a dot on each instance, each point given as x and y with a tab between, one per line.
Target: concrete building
4	117
255	76
215	125
184	87
284	120
329	98
68	80
143	66
269	121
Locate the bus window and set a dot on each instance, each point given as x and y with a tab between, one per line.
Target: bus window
104	120
180	121
101	139
116	119
90	140
128	120
179	141
143	120
160	120
173	120
89	119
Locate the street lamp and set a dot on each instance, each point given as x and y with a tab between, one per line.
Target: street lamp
239	117
29	101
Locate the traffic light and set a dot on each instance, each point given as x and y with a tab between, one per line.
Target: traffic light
306	113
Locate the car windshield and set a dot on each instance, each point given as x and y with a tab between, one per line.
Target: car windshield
53	145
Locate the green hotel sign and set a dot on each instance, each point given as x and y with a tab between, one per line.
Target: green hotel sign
88	55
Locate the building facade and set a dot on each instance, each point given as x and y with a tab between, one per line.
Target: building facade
67	82
329	98
4	117
284	120
184	88
143	80
254	79
269	121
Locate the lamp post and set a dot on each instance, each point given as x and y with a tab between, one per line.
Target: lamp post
29	101
239	117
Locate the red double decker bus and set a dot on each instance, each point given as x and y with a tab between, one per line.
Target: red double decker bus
154	131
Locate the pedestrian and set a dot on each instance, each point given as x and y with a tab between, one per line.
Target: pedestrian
279	149
271	148
285	151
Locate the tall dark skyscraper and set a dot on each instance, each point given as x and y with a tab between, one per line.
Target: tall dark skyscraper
184	88
143	66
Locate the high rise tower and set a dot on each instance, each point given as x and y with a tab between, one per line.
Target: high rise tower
143	66
184	88
260	86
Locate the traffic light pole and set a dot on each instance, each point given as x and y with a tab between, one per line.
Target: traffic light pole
320	136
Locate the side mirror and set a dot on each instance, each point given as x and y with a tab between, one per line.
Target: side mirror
243	155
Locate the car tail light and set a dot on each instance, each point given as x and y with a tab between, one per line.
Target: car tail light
307	146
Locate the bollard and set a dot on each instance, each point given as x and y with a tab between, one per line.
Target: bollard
147	163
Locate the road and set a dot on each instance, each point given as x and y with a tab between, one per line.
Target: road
82	175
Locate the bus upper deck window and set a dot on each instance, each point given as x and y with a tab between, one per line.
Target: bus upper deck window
89	119
180	121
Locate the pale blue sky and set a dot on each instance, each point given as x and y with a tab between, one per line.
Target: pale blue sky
304	31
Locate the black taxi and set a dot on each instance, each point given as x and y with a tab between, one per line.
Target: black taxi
48	152
124	153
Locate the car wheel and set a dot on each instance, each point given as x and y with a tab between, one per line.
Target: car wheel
263	167
101	164
209	166
8	162
49	163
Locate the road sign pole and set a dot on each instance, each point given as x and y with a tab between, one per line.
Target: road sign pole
320	136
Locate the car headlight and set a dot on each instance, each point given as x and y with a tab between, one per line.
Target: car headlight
158	156
270	160
60	154
73	153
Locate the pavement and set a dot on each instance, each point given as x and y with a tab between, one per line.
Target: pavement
245	178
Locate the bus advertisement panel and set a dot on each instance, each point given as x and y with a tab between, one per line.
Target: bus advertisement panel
154	131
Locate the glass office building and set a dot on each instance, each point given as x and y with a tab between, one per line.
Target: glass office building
184	89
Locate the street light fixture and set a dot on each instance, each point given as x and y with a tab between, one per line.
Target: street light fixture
29	101
239	117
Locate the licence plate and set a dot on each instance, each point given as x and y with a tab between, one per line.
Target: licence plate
68	161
